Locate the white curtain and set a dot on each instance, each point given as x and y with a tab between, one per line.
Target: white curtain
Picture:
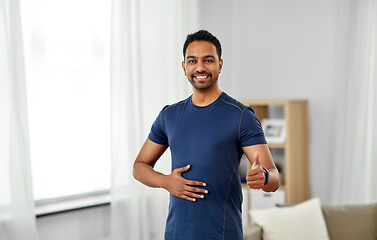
147	42
354	171
17	216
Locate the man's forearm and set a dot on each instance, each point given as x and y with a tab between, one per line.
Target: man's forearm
145	174
174	183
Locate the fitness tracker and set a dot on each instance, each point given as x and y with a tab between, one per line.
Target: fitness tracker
266	175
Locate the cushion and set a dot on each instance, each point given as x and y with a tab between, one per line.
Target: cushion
302	221
351	221
252	232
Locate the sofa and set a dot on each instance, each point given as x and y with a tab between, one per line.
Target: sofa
353	222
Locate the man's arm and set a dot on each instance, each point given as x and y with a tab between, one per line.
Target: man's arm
260	156
174	183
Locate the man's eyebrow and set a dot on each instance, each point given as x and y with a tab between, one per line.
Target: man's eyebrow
206	56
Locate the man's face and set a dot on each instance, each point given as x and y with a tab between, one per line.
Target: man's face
202	65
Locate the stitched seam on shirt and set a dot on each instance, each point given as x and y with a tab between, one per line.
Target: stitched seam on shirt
242	111
226	198
239	126
232	104
185	101
161	122
162	125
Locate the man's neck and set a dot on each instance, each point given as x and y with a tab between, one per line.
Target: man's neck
205	98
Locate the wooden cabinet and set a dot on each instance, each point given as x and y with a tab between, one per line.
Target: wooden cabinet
295	150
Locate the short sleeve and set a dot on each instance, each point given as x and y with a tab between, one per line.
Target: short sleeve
251	131
157	133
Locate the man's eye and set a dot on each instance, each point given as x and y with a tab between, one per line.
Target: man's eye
191	61
209	61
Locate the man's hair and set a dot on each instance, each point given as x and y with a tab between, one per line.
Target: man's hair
202	35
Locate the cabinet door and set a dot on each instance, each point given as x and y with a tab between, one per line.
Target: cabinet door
260	199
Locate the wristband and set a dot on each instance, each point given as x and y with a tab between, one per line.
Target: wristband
266	176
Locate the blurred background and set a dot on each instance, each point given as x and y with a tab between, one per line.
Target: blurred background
82	82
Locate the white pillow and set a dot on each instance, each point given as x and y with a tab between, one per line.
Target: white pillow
302	221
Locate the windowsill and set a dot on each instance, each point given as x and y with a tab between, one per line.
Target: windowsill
71	203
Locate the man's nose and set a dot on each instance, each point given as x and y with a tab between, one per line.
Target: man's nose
200	67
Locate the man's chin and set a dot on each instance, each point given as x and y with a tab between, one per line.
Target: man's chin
203	86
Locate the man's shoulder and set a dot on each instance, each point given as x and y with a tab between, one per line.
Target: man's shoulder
173	107
230	101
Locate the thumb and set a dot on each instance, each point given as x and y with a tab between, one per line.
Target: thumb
255	160
182	169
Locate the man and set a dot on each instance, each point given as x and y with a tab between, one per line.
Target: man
207	134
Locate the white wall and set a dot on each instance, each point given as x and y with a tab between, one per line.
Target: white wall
283	50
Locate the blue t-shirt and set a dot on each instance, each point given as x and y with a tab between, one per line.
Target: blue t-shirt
210	139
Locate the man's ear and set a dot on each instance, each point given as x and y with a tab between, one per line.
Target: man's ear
221	64
184	67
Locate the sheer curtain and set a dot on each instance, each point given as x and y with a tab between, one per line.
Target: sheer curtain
17	217
147	41
355	165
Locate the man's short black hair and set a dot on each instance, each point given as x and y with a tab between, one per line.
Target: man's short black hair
202	35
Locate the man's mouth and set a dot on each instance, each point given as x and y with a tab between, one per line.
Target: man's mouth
201	77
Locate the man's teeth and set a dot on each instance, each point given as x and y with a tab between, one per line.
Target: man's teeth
201	77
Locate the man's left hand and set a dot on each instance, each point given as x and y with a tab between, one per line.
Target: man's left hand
255	176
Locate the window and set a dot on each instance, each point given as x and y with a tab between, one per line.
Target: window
67	58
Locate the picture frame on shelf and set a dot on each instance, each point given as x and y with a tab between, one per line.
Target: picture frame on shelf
275	130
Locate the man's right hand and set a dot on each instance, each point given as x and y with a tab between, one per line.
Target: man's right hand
183	188
174	183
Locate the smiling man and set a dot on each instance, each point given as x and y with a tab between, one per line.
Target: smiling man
207	134
202	71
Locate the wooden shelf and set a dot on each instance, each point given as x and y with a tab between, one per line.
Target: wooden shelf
276	145
295	148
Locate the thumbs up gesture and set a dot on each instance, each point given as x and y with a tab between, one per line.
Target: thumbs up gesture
255	176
